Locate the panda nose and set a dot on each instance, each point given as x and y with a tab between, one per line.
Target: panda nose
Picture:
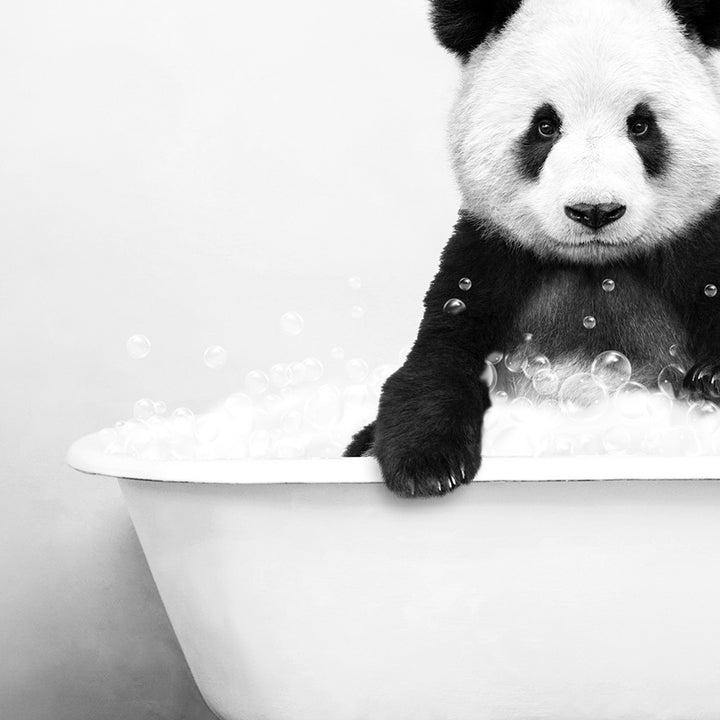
595	216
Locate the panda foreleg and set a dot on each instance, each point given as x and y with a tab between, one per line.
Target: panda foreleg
427	436
692	268
702	380
429	425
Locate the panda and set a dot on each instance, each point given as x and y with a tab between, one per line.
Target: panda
585	140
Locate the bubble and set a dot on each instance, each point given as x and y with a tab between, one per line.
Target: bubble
240	407
143	409
536	364
513	441
260	444
158	428
674	440
489	376
272	403
546	382
703	412
454	307
494	358
355	282
500	398
617	440
563	444
138	347
608	285
687	441
292	421
673	351
711	290
337	353
521	409
313	369
256	382
357	369
670	381
183	447
588	443
323	407
517	360
659	406
291	323
215	357
581	396
298	373
631	400
290	448
182	421
108	439
279	375
612	369
465	284
357	312
137	439
206	429
589	322
230	450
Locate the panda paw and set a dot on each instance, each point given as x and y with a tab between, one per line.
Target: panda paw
430	469
702	382
428	430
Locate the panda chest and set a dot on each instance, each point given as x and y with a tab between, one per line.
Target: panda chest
573	315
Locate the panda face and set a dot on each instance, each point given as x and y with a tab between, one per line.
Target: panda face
589	131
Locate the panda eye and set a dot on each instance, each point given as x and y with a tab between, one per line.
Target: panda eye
547	129
639	127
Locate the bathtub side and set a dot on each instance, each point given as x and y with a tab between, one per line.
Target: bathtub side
504	600
88	455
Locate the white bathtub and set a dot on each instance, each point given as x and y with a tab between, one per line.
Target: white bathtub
303	590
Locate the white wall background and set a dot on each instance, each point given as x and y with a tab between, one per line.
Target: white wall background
189	170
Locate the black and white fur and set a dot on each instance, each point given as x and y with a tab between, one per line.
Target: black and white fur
565	105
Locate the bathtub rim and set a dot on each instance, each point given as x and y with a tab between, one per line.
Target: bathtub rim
87	455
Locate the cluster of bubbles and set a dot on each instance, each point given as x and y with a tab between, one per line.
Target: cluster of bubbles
310	408
602	411
305	408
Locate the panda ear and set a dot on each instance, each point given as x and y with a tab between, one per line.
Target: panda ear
701	18
462	25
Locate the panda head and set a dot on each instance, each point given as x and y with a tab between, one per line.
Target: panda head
588	130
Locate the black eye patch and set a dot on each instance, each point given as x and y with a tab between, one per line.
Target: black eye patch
538	140
648	138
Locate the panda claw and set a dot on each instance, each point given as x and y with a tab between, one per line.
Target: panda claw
427	473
